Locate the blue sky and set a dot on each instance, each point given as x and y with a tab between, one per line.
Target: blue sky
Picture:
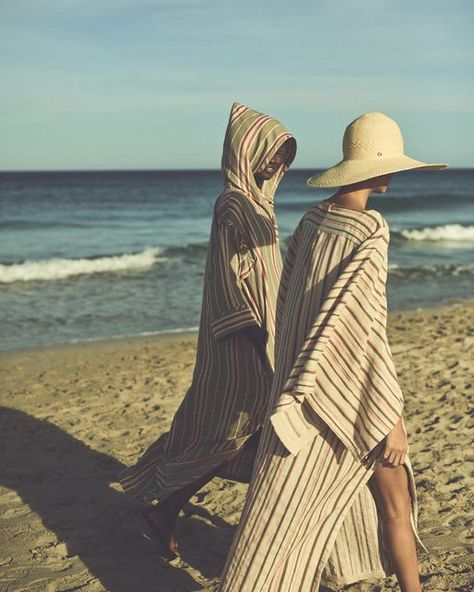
92	84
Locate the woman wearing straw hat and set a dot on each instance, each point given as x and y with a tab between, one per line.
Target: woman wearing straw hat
332	497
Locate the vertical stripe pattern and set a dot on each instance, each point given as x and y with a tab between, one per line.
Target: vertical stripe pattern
309	516
228	398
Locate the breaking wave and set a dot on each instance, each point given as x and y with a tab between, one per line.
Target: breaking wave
430	270
58	269
448	232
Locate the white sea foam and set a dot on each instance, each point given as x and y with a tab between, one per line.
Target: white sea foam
438	270
448	232
118	336
59	269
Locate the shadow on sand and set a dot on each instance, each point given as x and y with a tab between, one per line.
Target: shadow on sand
66	483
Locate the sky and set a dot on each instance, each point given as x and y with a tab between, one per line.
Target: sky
148	84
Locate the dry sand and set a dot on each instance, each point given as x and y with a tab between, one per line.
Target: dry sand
74	415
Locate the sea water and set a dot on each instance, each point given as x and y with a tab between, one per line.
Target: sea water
87	255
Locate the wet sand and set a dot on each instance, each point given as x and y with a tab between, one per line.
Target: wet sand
73	416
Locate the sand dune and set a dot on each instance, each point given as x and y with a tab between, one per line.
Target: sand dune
73	416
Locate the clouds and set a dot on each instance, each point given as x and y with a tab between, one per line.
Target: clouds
68	64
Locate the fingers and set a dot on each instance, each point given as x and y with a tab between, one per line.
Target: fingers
393	457
389	455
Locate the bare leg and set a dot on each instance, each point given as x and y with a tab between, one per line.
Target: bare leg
389	486
163	518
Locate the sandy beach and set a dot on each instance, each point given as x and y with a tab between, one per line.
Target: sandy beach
73	416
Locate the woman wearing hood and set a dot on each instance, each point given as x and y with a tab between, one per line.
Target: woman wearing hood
215	430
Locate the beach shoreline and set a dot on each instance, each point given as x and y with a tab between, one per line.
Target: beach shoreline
105	342
176	334
76	414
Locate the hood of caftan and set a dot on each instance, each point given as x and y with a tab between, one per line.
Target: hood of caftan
251	140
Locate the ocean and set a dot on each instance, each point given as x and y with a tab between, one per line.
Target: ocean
90	255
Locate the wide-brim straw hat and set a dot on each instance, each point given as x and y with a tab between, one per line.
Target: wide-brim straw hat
372	147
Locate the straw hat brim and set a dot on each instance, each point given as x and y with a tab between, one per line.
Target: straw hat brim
348	172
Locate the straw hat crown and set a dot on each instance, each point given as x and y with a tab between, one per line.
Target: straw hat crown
372	146
372	136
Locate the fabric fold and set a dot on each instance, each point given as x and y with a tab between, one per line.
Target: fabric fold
344	372
230	310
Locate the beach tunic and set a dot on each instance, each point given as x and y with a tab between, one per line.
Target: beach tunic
309	516
228	398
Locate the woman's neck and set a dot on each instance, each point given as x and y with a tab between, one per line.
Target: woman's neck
347	196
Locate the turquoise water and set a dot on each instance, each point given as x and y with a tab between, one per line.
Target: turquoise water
85	255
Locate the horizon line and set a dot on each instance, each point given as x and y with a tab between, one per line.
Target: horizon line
169	170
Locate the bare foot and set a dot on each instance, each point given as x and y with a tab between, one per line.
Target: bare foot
163	528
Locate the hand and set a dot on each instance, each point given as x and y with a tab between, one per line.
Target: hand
396	445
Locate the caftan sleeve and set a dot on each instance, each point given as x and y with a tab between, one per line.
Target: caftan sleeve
344	374
230	309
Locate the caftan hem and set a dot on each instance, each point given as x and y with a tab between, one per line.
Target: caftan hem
336	583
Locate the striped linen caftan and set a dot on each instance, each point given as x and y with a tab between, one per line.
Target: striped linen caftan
309	516
226	402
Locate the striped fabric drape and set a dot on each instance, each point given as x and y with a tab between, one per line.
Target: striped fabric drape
309	516
228	398
344	372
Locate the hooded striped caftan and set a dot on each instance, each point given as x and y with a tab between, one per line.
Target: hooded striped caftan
226	402
309	516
